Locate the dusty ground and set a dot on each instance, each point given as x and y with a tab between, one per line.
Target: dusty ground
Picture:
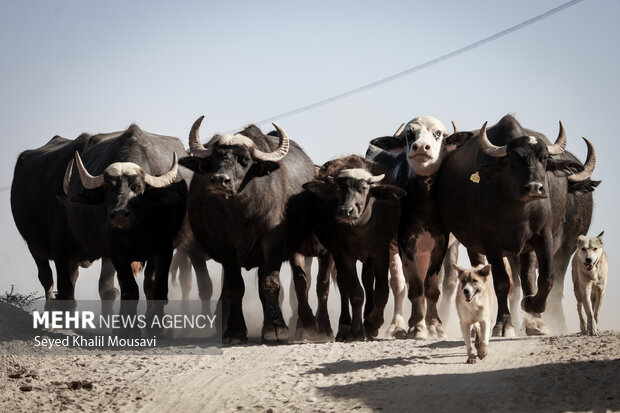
566	373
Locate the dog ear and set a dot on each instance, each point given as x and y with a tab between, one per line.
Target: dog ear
485	271
600	236
581	238
457	268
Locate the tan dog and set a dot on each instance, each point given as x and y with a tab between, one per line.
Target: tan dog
589	281
474	303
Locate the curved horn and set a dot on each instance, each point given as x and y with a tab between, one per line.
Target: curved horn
67	179
375	178
456	130
166	179
400	130
486	145
280	151
588	167
89	181
195	146
560	143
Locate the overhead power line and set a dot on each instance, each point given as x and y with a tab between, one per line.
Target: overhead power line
422	66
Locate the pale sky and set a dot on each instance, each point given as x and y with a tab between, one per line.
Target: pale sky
69	67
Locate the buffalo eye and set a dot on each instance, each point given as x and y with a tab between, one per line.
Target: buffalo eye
437	134
594	249
363	187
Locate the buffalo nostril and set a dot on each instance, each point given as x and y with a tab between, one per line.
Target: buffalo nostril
350	212
414	146
427	147
213	179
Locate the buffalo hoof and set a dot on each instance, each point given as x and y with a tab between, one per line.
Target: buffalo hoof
343	332
418	333
236	331
274	334
436	331
398	328
534	325
531	305
307	334
325	329
350	333
372	324
504	330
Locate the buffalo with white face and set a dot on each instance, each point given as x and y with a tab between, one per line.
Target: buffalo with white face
414	155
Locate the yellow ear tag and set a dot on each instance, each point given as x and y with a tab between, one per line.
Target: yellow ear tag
475	178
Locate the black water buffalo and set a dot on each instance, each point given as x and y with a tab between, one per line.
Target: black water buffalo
127	202
576	221
39	214
355	214
507	198
236	208
414	155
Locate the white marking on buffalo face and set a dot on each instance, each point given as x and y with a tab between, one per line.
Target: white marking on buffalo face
533	140
358	173
235	140
123	168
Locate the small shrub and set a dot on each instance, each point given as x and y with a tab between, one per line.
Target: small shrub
23	301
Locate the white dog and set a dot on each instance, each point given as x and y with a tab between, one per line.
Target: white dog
474	303
589	281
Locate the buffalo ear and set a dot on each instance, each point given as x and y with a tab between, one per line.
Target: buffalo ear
457	139
383	192
389	143
563	167
196	164
262	168
582	187
321	189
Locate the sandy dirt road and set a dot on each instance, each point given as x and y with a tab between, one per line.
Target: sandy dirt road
565	373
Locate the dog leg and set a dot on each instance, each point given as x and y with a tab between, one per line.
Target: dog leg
471	357
398	327
484	339
589	313
582	317
599	304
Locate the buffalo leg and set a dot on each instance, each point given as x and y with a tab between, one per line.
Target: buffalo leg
501	283
107	292
449	280
368	281
233	289
274	328
44	271
398	285
326	266
514	295
543	247
414	270
302	286
350	283
380	265
66	274
431	291
344	321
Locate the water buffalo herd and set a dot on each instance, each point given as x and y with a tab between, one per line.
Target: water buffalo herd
255	200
